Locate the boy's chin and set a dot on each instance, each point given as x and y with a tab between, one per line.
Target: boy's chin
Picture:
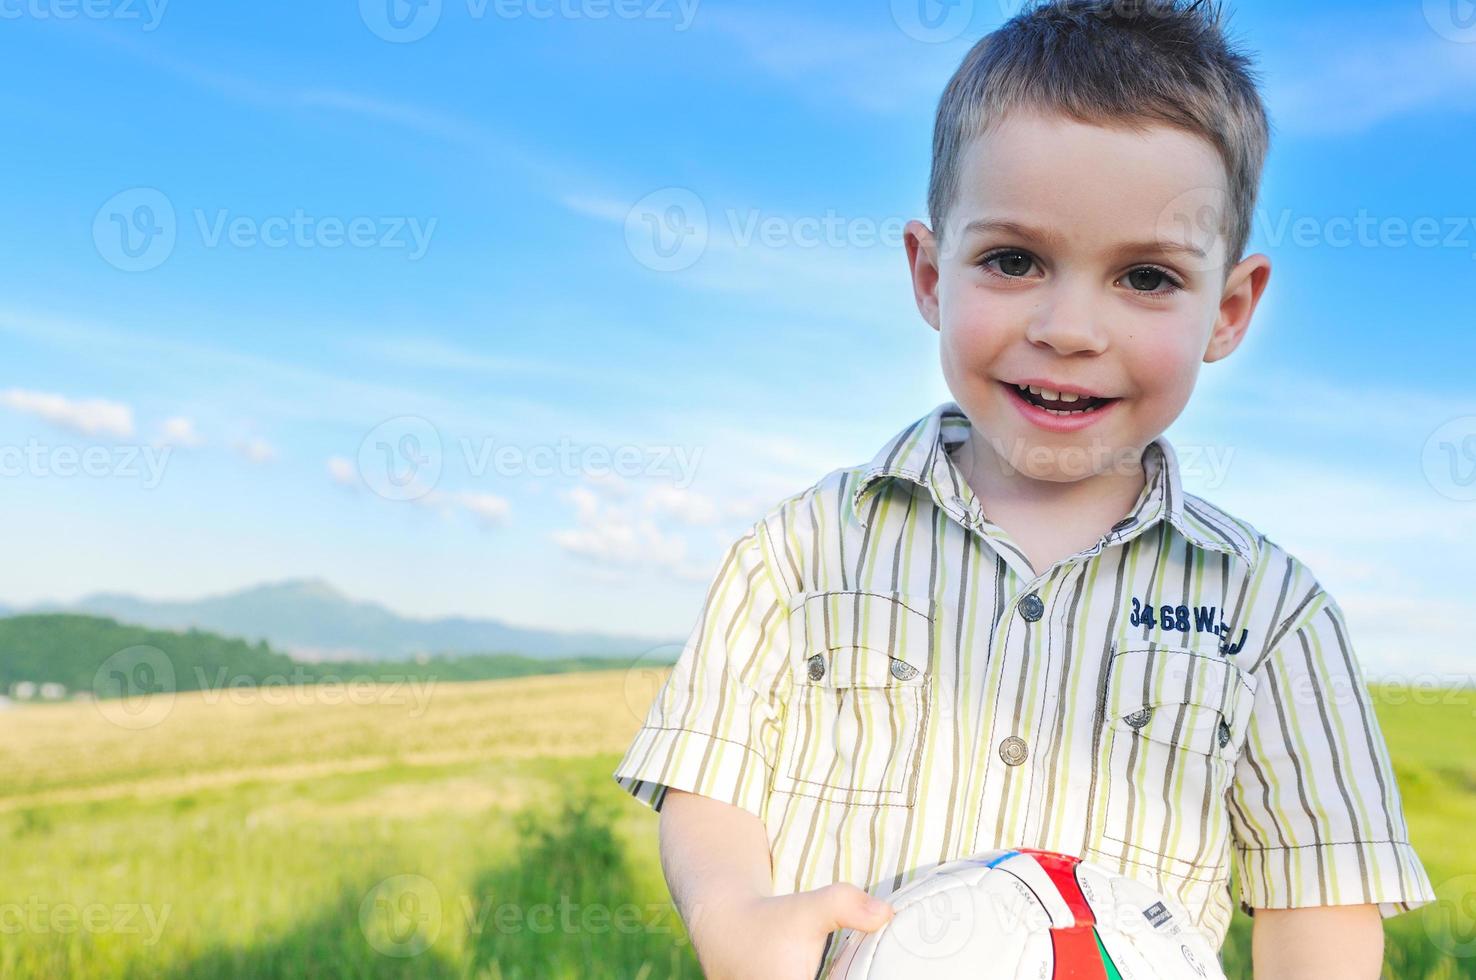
1059	457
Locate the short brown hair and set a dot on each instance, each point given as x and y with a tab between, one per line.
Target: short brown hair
1113	63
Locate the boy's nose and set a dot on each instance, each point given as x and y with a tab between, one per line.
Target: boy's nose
1068	323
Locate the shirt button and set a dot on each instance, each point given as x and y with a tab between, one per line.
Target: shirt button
1031	607
1139	718
817	667
1224	733
1012	750
902	670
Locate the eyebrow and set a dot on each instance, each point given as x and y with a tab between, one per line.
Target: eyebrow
1055	239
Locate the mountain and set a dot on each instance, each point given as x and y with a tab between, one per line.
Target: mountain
98	656
314	621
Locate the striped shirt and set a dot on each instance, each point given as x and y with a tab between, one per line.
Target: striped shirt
881	677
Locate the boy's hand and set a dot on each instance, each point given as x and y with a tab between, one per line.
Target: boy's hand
716	860
783	936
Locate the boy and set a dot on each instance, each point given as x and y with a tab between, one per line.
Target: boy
1012	627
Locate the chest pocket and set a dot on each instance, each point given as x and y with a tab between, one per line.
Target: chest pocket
1174	721
853	729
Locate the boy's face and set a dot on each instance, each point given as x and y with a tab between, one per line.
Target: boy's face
1087	291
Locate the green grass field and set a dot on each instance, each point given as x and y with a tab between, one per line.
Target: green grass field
470	832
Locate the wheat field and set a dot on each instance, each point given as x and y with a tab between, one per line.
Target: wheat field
465	830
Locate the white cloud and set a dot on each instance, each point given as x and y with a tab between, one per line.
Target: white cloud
686	506
487	507
342	471
1352	86
180	431
603	208
611	483
256	450
627	534
89	416
830	60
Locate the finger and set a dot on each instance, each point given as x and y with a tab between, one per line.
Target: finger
844	906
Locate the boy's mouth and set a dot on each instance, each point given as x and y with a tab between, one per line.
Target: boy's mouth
1056	402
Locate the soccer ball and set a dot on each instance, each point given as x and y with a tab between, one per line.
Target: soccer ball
1033	914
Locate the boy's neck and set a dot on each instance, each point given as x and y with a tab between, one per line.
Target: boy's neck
1050	519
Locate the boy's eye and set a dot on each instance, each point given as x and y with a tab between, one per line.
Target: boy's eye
1012	264
1146	279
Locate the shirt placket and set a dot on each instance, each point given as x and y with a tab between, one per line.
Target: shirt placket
1002	770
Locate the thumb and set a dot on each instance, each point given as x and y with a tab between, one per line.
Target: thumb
844	906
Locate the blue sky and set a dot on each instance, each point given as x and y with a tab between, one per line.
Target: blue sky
390	236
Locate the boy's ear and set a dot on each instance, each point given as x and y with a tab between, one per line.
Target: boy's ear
1243	289
922	259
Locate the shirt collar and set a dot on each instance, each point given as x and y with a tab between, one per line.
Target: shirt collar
918	455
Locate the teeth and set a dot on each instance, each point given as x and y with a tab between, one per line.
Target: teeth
1064	398
1049	395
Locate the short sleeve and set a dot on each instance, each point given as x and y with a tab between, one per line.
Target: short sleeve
713	728
1314	808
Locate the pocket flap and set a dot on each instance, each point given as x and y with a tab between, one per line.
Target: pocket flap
862	639
1188	697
